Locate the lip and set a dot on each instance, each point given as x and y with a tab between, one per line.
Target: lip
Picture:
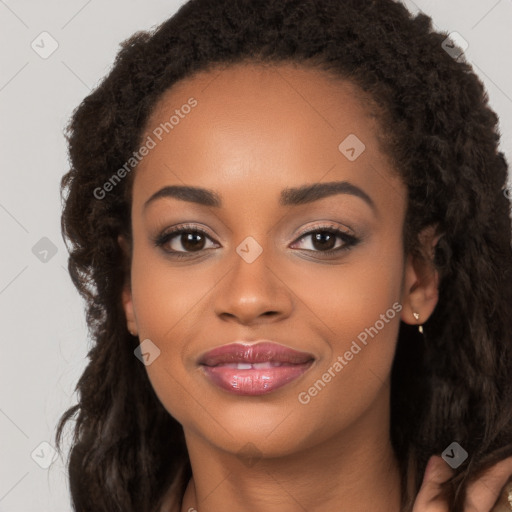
276	366
260	352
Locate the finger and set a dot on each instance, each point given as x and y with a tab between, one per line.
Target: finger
483	494
436	472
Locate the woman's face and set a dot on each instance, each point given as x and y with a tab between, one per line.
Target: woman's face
253	138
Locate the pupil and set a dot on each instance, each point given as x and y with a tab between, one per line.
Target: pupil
192	241
320	237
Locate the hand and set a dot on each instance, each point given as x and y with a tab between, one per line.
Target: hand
481	495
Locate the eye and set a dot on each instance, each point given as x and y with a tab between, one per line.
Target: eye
182	240
323	239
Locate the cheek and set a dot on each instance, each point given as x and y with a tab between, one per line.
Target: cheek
159	306
359	308
164	294
367	314
168	302
344	299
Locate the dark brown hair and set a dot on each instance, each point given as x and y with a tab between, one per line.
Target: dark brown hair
453	384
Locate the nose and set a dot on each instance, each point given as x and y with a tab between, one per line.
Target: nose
252	293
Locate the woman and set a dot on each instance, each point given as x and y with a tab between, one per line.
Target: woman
266	200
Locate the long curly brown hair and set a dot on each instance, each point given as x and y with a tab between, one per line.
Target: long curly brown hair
452	384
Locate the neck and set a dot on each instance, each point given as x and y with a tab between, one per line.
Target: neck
354	470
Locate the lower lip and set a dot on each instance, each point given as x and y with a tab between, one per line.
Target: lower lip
253	381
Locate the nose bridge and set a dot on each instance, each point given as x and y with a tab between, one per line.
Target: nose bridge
251	288
254	254
251	262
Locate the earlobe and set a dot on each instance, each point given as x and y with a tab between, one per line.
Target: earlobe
420	291
126	294
131	322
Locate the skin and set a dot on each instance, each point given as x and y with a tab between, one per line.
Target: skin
255	131
481	495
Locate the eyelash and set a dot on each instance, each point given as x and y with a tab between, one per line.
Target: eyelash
164	238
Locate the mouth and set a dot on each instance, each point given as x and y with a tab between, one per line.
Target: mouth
254	369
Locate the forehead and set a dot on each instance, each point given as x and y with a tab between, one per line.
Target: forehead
286	88
261	124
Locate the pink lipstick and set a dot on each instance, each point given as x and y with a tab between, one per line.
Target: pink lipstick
254	369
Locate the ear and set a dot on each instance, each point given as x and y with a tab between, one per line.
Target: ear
126	294
420	291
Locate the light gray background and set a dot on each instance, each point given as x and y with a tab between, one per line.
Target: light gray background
44	337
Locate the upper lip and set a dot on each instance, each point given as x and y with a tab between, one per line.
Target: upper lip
261	352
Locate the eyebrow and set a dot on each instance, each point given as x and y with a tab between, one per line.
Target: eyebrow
289	196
